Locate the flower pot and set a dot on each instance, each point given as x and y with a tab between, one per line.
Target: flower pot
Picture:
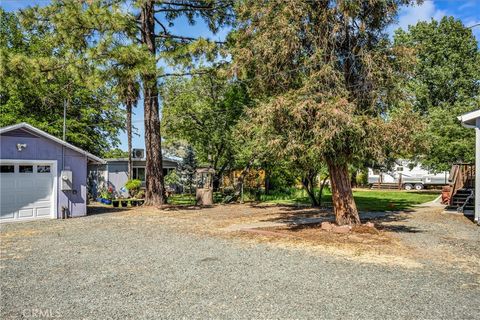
134	203
140	202
115	203
124	203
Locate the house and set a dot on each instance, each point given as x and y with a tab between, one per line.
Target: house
407	175
41	176
472	120
114	173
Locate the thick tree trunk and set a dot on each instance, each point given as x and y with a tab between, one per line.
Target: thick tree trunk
129	137
155	187
342	196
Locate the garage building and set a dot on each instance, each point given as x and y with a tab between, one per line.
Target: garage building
41	176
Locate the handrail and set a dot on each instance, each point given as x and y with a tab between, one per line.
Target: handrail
462	207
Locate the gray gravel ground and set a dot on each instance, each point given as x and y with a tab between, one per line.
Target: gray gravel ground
108	267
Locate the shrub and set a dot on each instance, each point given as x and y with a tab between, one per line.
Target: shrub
133	186
362	178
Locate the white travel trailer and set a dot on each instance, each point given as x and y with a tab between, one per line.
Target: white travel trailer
408	175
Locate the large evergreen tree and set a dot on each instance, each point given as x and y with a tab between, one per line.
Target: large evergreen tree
324	67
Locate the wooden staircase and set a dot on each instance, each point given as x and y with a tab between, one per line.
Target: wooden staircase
462	188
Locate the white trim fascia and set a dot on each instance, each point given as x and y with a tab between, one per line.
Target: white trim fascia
467	117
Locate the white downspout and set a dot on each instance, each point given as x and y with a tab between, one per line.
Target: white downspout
477	171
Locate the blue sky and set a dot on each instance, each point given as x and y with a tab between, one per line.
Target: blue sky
466	10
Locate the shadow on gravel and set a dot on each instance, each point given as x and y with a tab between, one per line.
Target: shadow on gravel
382	218
399	229
95	209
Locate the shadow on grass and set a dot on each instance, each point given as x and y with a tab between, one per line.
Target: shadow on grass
299	219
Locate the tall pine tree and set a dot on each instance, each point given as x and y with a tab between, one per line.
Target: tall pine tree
94	29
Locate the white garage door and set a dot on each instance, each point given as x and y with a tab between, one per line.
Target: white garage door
26	191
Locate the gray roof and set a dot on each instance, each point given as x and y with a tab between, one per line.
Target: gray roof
24	125
138	159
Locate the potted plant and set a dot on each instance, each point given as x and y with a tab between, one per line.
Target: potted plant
115	203
133	186
124	203
140	195
106	196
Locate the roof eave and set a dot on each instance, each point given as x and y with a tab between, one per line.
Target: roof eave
49	136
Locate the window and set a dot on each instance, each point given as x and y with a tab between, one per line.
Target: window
25	169
43	169
139	173
399	169
7	168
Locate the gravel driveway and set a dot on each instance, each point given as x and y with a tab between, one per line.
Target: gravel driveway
114	267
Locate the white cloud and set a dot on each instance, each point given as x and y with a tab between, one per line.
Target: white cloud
468	4
413	14
476	29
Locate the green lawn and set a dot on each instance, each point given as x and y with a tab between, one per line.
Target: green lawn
366	200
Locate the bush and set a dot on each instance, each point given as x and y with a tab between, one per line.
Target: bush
133	186
362	178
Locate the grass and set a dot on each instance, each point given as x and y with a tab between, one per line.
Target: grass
366	200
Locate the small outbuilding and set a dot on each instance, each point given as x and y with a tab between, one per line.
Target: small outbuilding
41	176
472	120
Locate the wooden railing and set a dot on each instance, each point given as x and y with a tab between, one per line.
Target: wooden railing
462	176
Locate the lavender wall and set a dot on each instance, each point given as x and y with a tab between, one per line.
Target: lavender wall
40	148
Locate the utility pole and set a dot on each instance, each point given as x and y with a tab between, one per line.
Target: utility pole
64	119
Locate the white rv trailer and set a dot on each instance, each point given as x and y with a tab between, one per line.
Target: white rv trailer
409	175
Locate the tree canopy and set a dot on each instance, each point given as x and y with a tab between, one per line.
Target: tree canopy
39	75
203	111
444	84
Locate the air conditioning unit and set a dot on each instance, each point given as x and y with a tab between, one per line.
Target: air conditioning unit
138	153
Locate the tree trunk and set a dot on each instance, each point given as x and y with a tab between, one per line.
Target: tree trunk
320	193
129	137
155	187
267	180
342	196
216	182
309	187
241	178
